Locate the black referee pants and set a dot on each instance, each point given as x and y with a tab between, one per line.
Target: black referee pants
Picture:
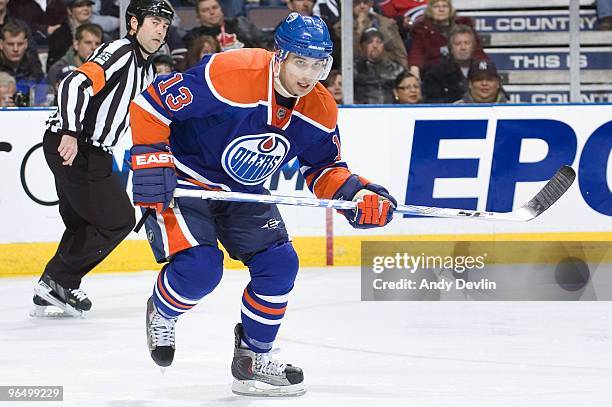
94	207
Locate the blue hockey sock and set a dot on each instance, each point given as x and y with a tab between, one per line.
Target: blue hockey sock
264	300
190	276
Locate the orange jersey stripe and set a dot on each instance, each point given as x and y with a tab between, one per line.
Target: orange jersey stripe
203	185
95	73
263	308
319	106
163	292
146	128
312	176
155	97
328	183
241	76
176	239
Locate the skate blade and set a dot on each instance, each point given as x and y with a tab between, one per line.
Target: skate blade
49	312
44	291
255	388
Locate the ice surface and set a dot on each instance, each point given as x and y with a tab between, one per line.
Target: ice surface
353	353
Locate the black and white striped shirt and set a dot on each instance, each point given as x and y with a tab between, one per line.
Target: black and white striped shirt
94	100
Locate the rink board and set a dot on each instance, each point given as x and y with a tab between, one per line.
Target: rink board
486	158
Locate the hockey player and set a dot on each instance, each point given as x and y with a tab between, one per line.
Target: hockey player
93	107
228	124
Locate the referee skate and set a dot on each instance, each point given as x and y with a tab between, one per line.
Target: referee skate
70	302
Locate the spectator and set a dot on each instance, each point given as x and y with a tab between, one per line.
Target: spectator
88	37
233	8
13	56
8	88
446	81
430	36
604	14
303	7
375	72
43	17
6	17
333	83
328	10
232	33
405	13
200	46
402	8
365	18
163	64
79	13
484	84
105	13
407	90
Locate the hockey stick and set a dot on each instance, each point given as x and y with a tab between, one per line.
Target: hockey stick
552	191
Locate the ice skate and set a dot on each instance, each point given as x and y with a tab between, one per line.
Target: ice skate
160	336
70	302
258	374
44	309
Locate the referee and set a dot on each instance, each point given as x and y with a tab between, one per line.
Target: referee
92	115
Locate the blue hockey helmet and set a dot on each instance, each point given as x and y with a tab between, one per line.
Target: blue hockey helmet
307	36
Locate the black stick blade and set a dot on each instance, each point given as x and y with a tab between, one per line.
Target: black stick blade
552	191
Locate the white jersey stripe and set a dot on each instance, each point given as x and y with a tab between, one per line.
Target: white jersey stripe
274	299
183	226
257	318
144	103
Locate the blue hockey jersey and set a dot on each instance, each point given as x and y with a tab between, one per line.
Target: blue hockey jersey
227	132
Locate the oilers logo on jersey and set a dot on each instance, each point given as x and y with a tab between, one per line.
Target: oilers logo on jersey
251	159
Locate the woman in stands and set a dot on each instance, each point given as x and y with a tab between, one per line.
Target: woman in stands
333	84
199	47
407	89
430	36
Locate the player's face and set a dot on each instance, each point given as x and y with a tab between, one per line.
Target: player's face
152	33
14	46
210	13
484	89
462	46
87	45
299	75
3	4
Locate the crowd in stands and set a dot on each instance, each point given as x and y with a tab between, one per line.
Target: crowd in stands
405	51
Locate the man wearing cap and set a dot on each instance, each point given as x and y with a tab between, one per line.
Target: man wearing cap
375	72
484	84
79	13
365	18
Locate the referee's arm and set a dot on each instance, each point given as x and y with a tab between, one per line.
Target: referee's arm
76	90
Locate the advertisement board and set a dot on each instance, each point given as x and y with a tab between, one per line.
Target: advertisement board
471	157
